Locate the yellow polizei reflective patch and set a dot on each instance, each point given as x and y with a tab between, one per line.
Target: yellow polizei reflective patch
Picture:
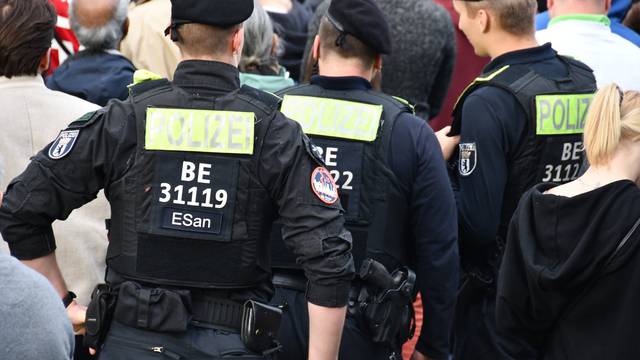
333	118
191	130
561	114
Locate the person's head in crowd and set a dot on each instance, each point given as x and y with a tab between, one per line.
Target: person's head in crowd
210	30
99	24
261	46
612	127
494	27
566	7
632	19
351	39
26	31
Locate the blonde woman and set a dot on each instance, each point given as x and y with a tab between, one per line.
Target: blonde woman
568	284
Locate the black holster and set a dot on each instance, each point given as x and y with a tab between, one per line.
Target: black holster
385	302
260	326
99	315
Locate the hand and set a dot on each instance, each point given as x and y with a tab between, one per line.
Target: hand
447	143
419	356
77	314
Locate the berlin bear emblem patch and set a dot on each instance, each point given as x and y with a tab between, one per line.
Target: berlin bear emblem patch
468	158
323	186
63	144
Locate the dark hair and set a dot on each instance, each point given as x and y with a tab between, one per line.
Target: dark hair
26	31
350	48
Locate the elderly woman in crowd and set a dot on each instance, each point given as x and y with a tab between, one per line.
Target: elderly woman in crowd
568	282
259	66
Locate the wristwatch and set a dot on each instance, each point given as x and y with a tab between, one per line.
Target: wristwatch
67	299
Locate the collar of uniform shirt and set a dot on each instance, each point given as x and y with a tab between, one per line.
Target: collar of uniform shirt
594	18
209	76
524	56
341	82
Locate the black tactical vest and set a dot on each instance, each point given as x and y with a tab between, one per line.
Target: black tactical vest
190	211
376	211
551	147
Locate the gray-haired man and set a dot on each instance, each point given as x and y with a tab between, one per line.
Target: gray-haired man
99	72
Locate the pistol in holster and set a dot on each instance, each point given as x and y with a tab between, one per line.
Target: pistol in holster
99	315
386	302
260	326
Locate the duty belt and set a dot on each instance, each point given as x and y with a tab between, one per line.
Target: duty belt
216	312
172	310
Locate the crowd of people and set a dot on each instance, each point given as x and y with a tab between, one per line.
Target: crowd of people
321	179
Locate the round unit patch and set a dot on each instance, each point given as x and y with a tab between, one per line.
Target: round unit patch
323	185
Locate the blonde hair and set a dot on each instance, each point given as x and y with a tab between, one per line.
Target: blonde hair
613	116
517	17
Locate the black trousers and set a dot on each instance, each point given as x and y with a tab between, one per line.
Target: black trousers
197	343
474	331
294	332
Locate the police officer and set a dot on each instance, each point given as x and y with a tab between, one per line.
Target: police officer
394	187
520	123
195	171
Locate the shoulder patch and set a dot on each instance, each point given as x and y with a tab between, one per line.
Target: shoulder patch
63	144
468	158
324	186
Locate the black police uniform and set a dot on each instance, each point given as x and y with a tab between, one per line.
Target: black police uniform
520	123
195	172
415	175
399	206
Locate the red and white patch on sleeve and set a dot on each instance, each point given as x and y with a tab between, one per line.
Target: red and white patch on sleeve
323	185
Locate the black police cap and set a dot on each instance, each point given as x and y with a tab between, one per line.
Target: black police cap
221	13
363	20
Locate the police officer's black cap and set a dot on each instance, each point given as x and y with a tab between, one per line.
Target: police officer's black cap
220	13
363	20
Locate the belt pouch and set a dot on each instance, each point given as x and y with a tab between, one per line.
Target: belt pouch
260	326
153	309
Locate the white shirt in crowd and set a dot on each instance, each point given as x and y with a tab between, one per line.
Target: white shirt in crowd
32	116
588	38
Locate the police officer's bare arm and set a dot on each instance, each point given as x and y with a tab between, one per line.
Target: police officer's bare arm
48	267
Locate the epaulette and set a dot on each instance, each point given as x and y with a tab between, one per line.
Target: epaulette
85	120
575	62
271	100
145	80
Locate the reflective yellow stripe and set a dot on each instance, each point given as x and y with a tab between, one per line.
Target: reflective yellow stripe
191	130
334	118
481	79
406	102
144	75
561	114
